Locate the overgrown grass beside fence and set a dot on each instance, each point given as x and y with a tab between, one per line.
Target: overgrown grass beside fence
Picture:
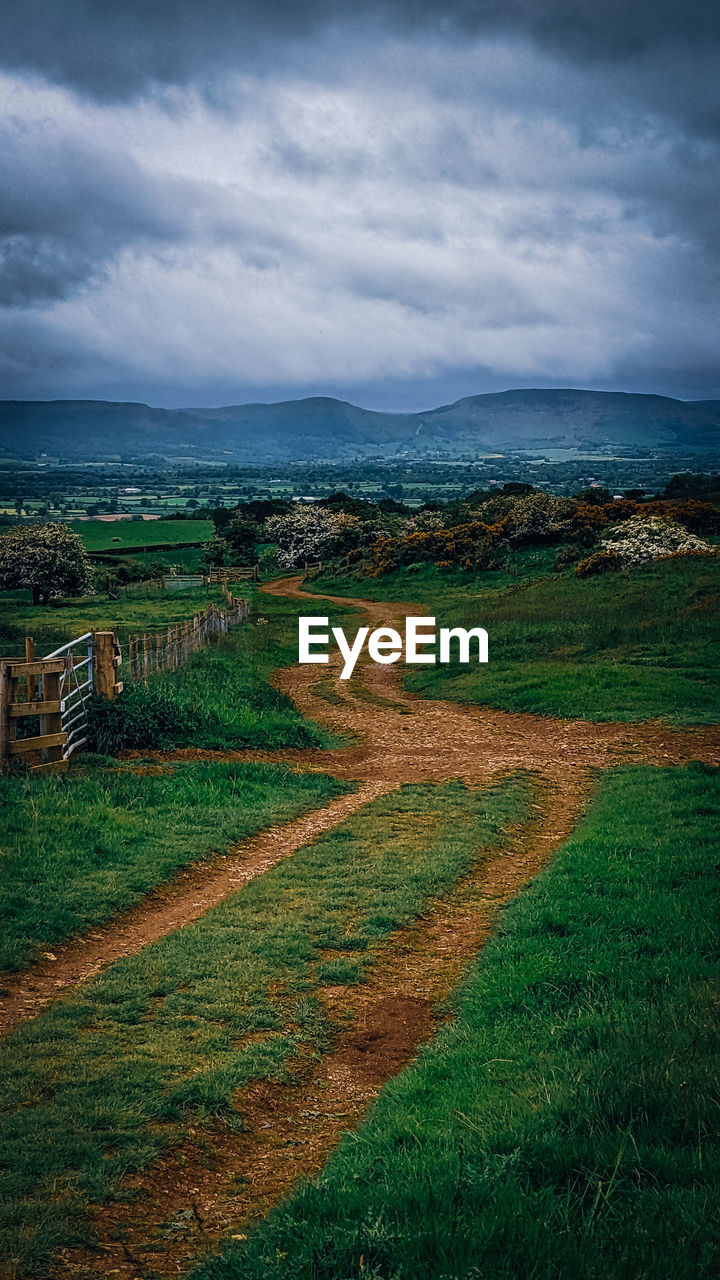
222	698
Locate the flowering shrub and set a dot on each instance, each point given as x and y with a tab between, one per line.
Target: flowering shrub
598	562
423	522
314	533
640	540
538	517
466	546
509	521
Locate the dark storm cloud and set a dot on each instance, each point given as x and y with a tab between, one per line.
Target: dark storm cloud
116	50
70	206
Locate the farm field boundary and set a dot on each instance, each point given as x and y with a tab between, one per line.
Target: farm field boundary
52	694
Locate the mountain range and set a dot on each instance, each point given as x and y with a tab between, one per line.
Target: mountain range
323	428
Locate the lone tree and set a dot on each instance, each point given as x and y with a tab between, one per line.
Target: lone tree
47	559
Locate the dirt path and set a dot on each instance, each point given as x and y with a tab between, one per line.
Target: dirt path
175	903
216	1183
200	1191
402	739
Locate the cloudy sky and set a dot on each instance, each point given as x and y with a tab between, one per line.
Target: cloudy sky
398	203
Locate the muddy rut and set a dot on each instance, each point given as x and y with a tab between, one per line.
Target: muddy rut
206	1187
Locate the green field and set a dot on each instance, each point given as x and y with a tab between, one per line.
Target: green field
566	1125
114	535
164	1039
624	646
143	607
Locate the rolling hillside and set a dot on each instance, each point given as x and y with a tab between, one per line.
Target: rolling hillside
324	428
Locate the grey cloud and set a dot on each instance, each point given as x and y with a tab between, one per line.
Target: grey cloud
379	206
70	206
118	50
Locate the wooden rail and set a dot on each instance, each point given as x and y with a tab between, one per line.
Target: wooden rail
234	573
17	703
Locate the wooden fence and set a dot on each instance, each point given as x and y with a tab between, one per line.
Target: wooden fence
46	699
51	694
184	581
168	649
234	573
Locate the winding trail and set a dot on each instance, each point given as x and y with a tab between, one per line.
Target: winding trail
400	739
210	1184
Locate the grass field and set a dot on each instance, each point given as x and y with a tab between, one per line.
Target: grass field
78	849
100	1083
620	647
114	535
566	1125
145	607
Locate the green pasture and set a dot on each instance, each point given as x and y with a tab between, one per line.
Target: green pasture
77	849
141	607
566	1124
114	535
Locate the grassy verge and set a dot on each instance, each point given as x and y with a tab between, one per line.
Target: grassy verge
621	647
98	1085
451	585
222	698
567	1124
78	849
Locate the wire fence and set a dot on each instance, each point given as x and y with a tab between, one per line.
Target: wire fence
169	648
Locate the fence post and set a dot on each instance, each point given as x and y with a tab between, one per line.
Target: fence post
105	671
7	724
158	652
146	658
30	657
52	722
133	656
255	572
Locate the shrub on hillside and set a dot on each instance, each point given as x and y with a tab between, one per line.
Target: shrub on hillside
538	517
316	533
639	541
465	546
599	562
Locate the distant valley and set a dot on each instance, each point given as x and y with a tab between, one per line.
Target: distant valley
321	428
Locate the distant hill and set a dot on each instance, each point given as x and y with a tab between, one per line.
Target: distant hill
323	428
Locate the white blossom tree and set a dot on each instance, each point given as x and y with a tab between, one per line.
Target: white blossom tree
312	532
646	538
47	559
